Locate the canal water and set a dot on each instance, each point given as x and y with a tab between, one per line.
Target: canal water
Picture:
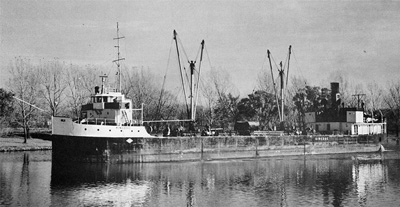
31	179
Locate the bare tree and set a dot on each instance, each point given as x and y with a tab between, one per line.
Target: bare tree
217	89
210	95
6	108
52	81
221	80
24	83
141	85
392	100
297	83
80	84
264	82
374	99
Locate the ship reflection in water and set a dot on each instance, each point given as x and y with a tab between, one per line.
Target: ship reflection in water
370	177
29	179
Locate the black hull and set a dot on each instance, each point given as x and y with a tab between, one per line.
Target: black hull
92	149
172	149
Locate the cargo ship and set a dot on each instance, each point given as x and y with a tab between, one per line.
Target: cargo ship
107	131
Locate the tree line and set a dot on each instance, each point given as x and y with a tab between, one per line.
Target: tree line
55	88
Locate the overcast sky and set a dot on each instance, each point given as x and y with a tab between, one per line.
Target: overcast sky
360	37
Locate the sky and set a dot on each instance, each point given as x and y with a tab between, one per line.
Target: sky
361	38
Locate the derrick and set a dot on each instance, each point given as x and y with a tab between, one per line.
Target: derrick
281	74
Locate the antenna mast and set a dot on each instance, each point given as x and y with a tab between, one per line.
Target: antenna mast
118	58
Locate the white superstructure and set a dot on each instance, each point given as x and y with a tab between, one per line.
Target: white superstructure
108	114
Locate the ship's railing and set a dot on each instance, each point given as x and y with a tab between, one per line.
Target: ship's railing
113	90
137	114
103	121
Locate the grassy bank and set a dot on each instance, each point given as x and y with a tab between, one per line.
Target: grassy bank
8	144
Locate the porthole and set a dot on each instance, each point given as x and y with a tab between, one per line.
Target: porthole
110	130
131	130
121	130
85	129
98	129
138	130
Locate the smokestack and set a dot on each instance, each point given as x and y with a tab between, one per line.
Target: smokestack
334	94
96	90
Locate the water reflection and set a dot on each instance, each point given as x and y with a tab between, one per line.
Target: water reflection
291	181
24	179
98	184
315	181
369	177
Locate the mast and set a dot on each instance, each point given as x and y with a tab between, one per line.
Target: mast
193	93
103	80
118	58
273	81
180	70
192	67
281	71
287	80
198	78
281	75
287	75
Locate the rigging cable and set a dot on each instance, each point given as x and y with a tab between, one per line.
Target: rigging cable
165	77
187	59
297	63
184	51
287	73
180	69
198	51
276	65
262	68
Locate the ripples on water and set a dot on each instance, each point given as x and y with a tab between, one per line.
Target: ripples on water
30	179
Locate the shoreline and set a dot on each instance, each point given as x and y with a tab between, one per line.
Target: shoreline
15	144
